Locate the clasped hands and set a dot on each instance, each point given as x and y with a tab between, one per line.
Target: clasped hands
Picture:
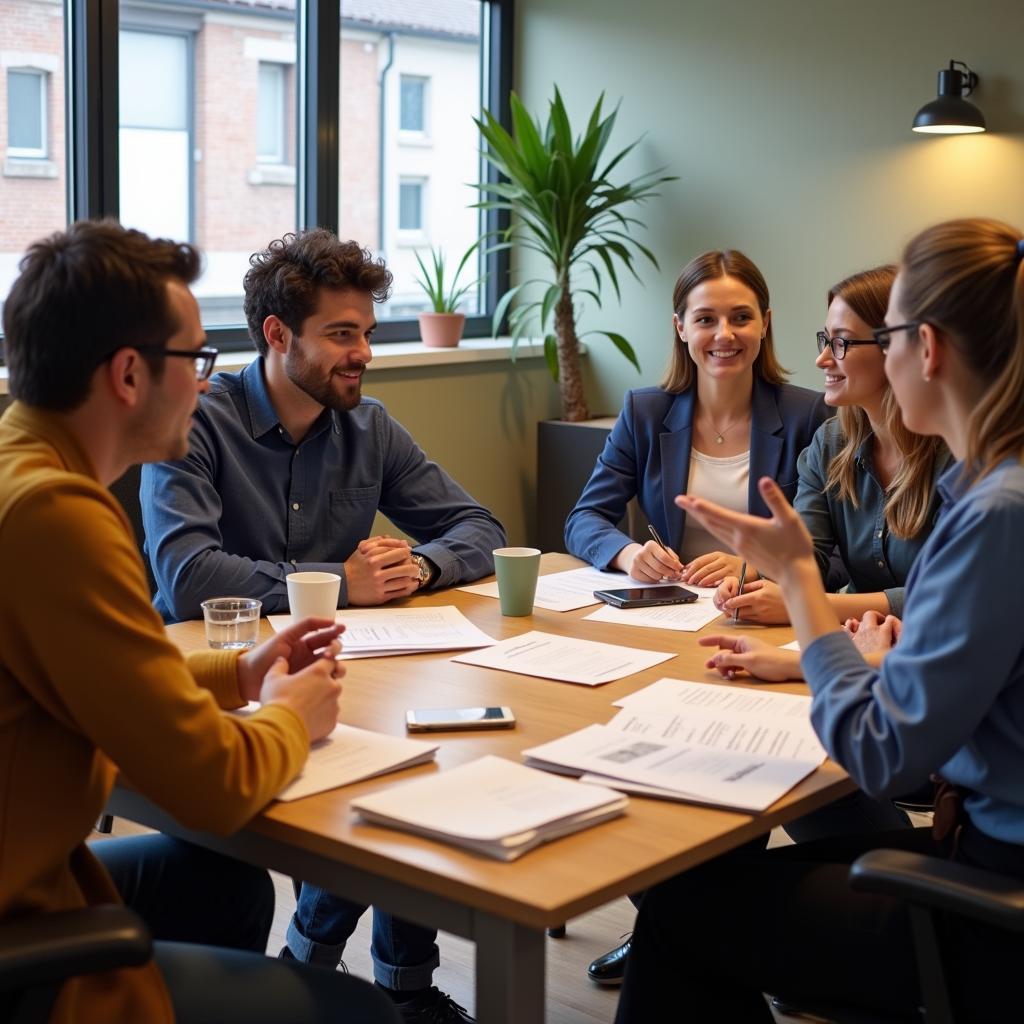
651	563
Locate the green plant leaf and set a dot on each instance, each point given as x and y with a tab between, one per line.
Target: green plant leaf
551	355
622	345
551	296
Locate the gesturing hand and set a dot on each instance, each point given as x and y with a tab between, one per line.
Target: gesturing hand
311	693
299	645
773	545
741	654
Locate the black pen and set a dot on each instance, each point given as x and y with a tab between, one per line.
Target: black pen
657	540
743	579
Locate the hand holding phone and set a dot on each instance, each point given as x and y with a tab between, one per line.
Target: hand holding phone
646	597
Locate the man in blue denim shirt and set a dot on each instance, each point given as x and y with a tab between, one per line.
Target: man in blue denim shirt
288	467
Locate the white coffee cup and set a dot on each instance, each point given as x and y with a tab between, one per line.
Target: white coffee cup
313	593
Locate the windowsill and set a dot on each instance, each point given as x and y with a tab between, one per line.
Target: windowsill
29	167
272	174
403	355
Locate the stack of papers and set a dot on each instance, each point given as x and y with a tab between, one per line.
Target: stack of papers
565	591
379	632
564	658
721	745
350	755
492	806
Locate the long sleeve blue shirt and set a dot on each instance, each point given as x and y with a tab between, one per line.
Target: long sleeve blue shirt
950	696
247	505
872	557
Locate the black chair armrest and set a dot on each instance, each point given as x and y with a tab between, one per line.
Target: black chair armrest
944	885
49	947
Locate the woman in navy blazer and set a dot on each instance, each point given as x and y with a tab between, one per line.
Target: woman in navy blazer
724	397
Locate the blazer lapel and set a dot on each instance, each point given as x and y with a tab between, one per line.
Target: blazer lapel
675	464
766	442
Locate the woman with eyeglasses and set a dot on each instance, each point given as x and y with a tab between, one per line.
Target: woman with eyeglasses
723	417
866	490
949	697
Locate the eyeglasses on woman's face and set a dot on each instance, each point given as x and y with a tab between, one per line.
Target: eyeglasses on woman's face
838	345
883	335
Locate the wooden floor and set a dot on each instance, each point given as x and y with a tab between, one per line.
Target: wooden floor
572	998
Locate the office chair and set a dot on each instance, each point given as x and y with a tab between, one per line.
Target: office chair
39	953
930	886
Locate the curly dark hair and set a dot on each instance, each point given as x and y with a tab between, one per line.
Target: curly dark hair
283	279
82	294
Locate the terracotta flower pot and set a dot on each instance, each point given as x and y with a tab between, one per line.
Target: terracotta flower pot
441	330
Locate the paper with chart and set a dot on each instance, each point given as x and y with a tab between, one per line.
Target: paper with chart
378	632
564	658
738	719
350	755
686	618
725	778
492	806
565	591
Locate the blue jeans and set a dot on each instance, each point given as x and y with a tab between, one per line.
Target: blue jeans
404	954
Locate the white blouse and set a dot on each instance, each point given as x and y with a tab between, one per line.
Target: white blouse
723	481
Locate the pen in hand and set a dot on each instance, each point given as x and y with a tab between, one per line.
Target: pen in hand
743	579
657	540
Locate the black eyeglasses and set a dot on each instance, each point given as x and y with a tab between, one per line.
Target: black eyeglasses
838	345
204	358
883	335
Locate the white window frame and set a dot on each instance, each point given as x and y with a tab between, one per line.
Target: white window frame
29	152
413	234
280	158
417	134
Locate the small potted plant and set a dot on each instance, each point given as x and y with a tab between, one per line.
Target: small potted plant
442	326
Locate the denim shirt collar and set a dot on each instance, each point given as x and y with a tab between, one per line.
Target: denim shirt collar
263	416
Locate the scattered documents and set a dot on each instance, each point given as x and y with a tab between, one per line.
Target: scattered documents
727	746
564	658
565	591
491	806
350	755
686	618
379	632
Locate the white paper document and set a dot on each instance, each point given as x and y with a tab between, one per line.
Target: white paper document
350	755
378	632
564	658
724	778
492	806
565	591
793	645
686	618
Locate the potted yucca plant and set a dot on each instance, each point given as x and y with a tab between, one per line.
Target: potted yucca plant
565	207
442	326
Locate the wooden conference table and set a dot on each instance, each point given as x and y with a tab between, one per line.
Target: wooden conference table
503	908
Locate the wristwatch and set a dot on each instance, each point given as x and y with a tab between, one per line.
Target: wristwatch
426	570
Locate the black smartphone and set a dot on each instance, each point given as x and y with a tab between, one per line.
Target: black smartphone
646	597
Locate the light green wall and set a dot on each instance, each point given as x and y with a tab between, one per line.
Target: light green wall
479	421
788	123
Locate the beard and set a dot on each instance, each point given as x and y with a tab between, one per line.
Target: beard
308	377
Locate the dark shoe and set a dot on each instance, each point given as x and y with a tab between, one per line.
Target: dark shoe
431	1006
610	968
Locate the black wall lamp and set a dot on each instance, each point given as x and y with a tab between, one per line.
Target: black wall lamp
951	114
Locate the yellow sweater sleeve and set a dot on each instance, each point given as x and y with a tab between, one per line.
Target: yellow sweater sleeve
78	631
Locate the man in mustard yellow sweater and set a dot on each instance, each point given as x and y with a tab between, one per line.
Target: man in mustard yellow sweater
106	360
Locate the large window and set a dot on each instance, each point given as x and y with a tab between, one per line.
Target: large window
33	198
228	123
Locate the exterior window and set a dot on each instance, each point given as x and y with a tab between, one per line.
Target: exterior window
413	105
271	143
26	113
410	205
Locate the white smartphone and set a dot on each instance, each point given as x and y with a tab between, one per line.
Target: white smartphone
444	719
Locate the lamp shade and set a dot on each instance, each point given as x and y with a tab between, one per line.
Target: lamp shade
950	113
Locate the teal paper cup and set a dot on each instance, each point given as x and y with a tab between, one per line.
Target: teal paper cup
516	569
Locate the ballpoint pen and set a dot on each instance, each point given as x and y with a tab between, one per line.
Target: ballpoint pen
657	540
743	579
